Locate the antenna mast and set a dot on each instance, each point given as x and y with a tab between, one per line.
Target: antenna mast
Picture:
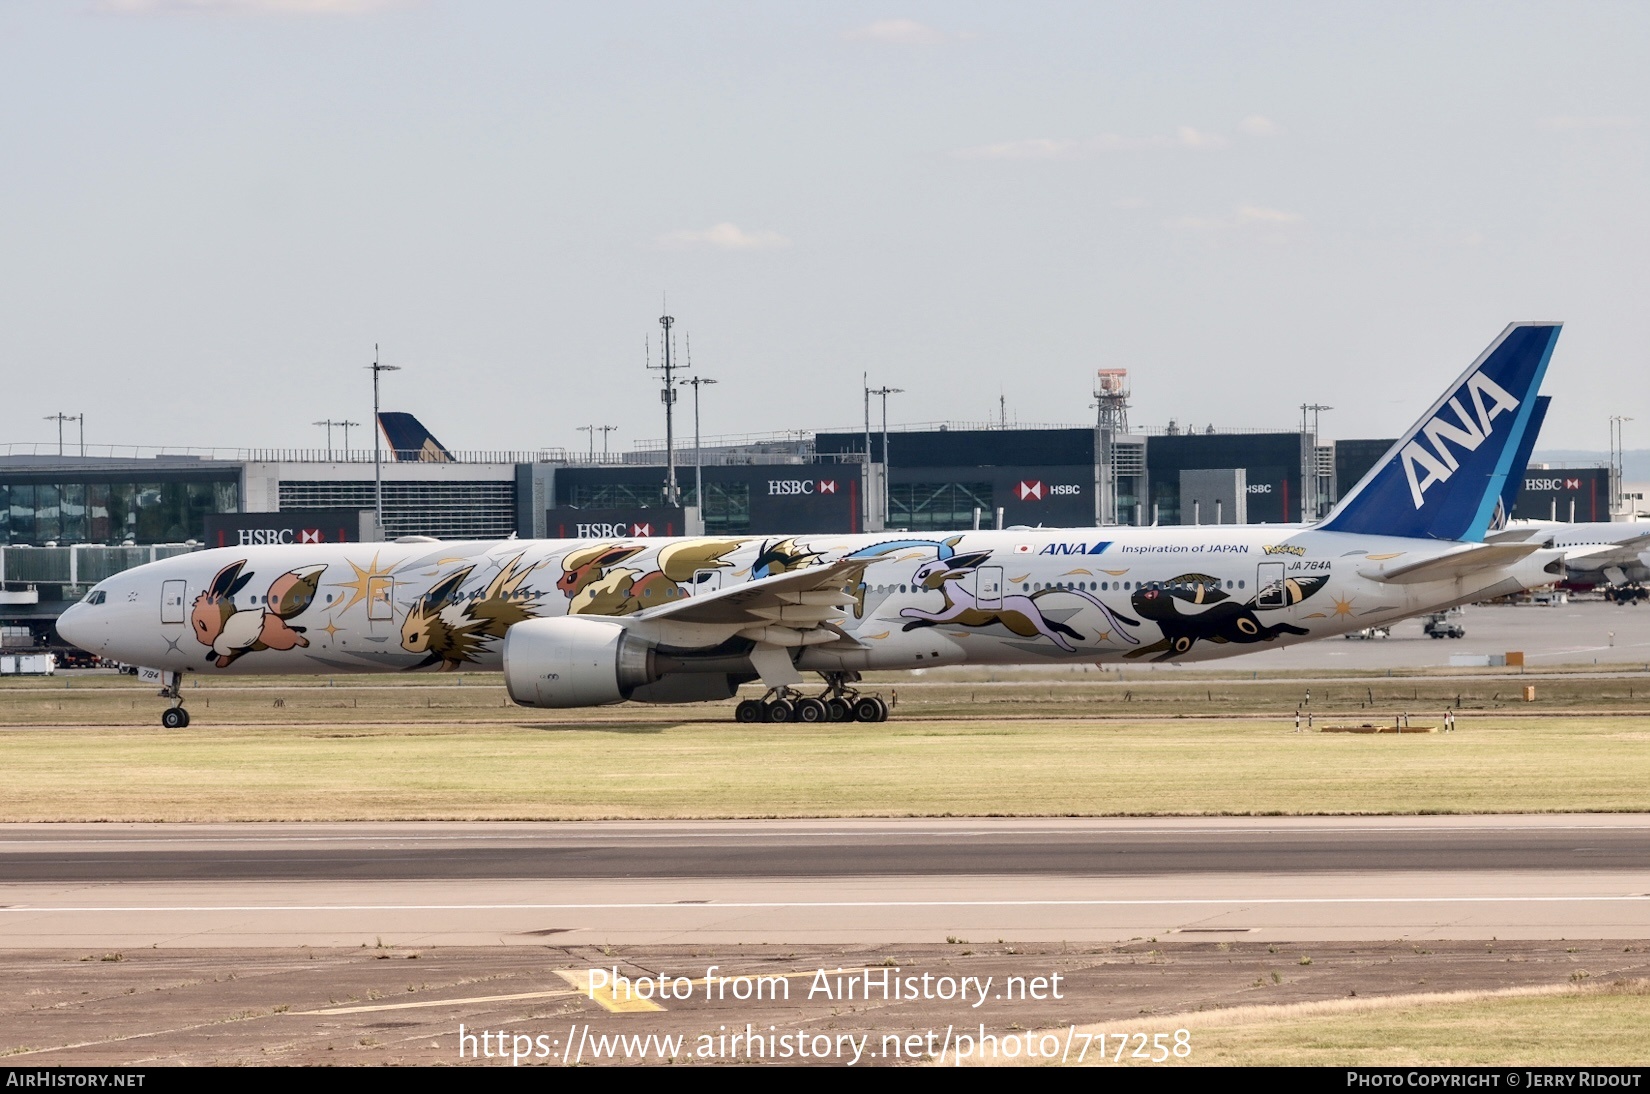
673	496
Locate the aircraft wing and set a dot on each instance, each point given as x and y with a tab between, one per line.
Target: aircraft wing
1623	552
801	608
1451	564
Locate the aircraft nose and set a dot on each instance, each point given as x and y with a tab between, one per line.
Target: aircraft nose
85	628
72	626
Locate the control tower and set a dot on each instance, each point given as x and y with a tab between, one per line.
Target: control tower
1111	401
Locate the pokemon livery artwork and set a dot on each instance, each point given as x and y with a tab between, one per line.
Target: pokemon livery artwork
583	623
231	632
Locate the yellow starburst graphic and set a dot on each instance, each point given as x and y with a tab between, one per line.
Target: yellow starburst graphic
360	586
1343	607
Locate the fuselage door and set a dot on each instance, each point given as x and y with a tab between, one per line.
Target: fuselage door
706	581
171	601
1269	590
381	600
988	586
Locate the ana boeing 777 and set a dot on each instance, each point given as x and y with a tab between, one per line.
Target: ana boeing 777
583	623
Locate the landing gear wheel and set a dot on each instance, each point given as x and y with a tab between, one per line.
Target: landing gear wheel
780	710
174	718
882	707
868	708
812	710
839	710
748	710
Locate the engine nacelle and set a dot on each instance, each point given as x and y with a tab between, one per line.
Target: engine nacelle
573	662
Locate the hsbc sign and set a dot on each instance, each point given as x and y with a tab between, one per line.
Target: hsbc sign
611	530
1552	484
1036	490
260	537
290	526
783	487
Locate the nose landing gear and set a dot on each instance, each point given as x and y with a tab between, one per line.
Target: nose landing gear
174	716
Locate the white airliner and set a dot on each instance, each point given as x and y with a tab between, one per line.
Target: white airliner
582	623
1596	552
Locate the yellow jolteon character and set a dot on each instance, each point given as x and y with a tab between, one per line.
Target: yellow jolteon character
453	627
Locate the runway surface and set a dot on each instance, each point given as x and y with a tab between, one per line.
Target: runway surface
825	882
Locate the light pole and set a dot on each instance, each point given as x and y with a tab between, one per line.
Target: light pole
60	418
1616	459
698	459
590	429
884	392
329	423
377	433
606	429
865	381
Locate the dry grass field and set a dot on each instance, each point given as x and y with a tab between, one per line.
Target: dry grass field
87	748
1579	1025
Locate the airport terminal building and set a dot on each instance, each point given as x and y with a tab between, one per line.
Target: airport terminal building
68	521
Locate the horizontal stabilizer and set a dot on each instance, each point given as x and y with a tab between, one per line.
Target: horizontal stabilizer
1459	562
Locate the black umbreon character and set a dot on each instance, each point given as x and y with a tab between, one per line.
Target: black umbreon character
1223	620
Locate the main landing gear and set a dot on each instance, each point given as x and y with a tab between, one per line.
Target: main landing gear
174	716
839	702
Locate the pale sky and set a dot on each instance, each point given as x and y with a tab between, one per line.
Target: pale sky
210	210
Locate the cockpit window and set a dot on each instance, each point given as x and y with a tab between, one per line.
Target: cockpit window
96	596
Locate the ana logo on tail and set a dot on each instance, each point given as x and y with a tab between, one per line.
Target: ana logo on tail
1444	477
1440	463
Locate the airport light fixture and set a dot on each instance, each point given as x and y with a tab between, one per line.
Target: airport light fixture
698	456
1617	459
606	429
884	392
329	423
590	429
377	435
60	418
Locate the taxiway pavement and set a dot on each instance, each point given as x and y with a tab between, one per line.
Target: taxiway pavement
825	882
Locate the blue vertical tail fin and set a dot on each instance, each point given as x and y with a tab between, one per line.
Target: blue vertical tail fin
1445	477
1521	461
410	440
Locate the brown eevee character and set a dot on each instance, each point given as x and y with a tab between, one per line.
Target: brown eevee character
232	632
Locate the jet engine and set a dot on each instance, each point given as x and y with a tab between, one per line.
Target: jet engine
574	662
